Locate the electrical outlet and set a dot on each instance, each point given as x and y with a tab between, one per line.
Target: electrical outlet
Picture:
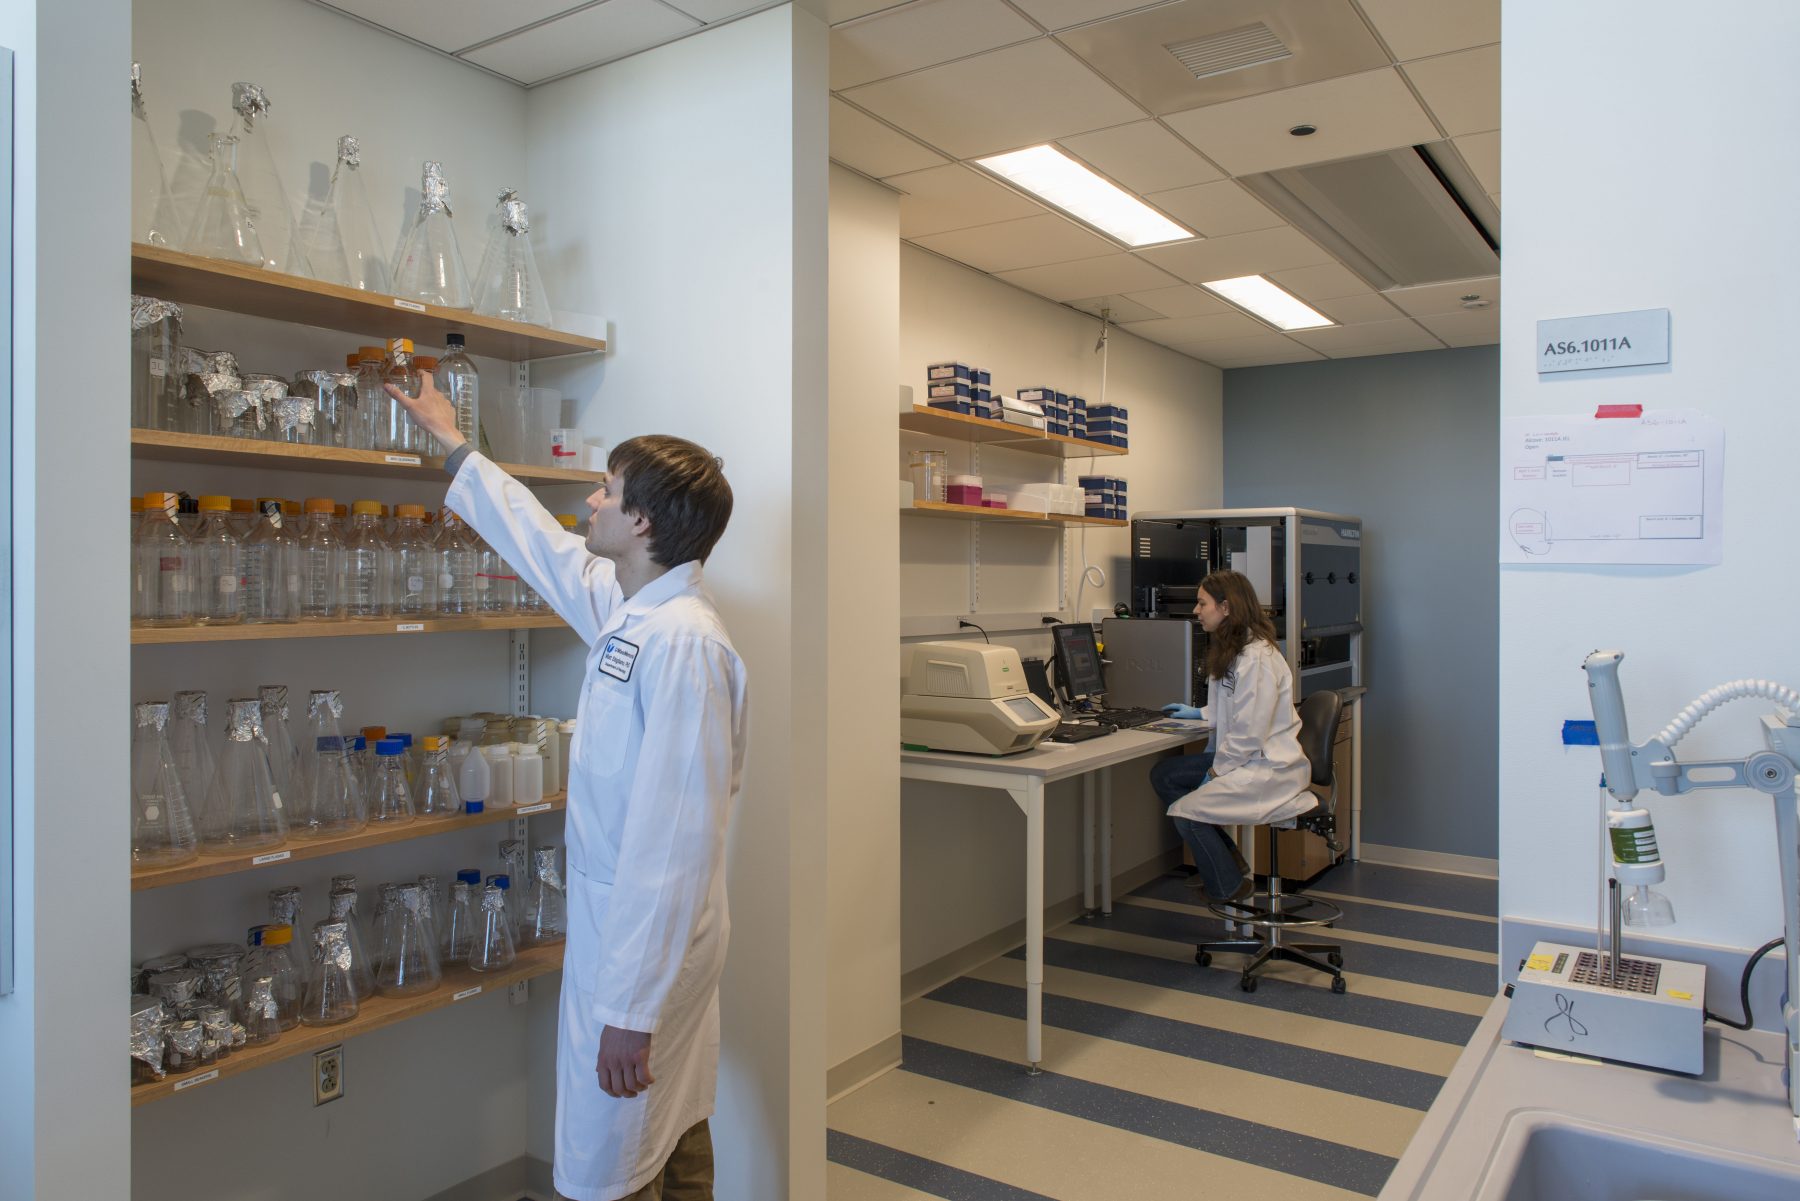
328	1074
518	992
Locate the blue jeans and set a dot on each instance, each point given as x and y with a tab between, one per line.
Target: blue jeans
1215	855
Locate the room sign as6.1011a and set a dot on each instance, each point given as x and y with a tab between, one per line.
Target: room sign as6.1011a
1603	340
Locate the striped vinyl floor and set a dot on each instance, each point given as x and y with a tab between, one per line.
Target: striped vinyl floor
1163	1078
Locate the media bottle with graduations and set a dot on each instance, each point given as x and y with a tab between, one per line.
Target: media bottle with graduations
242	811
162	825
366	563
394	430
321	562
458	380
457	557
220	556
422	441
162	564
271	567
413	570
372	402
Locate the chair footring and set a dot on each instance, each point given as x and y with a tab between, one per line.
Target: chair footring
1295	909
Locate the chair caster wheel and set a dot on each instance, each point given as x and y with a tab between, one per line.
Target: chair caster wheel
1338	985
1248	984
1335	959
1203	958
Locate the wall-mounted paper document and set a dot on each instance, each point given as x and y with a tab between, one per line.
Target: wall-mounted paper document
1584	489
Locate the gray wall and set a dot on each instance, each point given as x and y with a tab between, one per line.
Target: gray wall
1409	443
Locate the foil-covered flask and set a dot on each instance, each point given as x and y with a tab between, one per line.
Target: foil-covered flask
515	859
343	909
428	265
494	948
343	245
330	998
459	925
188	736
270	203
333	801
152	215
429	906
509	285
162	825
243	811
546	918
270	959
224	226
409	962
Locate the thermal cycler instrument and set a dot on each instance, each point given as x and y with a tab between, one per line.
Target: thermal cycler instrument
972	697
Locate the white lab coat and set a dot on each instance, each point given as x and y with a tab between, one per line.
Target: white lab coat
653	774
1259	774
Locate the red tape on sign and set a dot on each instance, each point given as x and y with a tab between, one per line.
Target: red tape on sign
1619	411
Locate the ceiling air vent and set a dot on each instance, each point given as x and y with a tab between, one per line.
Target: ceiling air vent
1233	50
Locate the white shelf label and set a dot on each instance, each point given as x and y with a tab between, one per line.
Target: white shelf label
202	1078
411	306
410	627
403	460
271	857
465	993
523	810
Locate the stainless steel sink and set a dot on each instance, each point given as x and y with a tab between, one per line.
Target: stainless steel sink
1545	1156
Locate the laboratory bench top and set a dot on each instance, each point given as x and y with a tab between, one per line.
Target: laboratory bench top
1060	760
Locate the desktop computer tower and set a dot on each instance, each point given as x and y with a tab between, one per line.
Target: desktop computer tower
1152	662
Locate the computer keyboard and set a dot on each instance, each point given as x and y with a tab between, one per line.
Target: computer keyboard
1070	731
1126	719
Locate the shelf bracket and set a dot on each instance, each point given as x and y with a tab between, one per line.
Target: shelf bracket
518	650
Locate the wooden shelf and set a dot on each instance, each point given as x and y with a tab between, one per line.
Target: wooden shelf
165	446
217	284
926	420
359	627
460	984
938	509
294	849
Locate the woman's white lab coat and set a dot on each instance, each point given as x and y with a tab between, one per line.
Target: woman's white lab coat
655	769
1259	774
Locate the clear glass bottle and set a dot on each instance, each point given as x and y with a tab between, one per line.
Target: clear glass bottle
371	400
155	363
437	792
422	441
456	562
366	563
152	214
270	957
162	557
333	794
270	567
270	203
516	857
494	948
188	743
457	935
321	562
458	380
409	962
414	570
546	917
392	800
220	558
510	285
343	909
242	811
342	243
285	904
397	431
162	825
330	998
278	740
429	265
223	226
494	580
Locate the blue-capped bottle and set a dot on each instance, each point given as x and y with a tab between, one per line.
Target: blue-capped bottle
392	800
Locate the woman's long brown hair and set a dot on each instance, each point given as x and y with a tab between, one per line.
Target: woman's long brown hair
1244	623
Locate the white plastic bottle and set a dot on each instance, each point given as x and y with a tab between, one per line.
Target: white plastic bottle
474	783
552	756
528	774
565	739
500	774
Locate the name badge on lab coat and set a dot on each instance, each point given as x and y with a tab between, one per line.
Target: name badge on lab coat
617	658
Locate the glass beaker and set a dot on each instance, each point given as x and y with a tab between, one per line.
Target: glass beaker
332	395
206	377
339	234
152	214
392	800
162	826
343	909
330	998
155	364
260	1012
409	962
188	742
546	917
428	266
457	938
494	948
224	226
293	418
162	569
242	810
271	210
510	286
437	793
930	470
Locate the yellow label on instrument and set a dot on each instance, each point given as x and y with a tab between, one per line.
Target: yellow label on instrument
1681	996
1539	963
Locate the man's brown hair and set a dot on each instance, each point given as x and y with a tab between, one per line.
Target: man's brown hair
680	487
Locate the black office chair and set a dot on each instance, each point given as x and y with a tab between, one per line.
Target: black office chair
1286	911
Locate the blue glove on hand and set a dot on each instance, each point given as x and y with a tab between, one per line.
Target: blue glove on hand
1182	712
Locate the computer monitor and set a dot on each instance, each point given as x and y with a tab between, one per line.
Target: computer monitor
1078	660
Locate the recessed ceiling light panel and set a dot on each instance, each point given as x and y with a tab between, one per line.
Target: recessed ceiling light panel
1059	180
1278	307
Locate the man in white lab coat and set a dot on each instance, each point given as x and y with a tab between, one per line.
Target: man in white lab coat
654	771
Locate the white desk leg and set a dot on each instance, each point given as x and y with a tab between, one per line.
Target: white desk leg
1106	871
1087	843
1034	924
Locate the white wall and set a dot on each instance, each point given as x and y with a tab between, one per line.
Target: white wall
682	195
863	781
1596	221
949	312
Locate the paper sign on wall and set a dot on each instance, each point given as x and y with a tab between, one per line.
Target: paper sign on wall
1585	489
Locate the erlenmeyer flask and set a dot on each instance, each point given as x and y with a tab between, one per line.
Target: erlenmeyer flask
242	811
546	917
188	740
343	909
503	882
284	757
392	800
409	962
260	1011
152	215
162	826
339	235
428	265
490	242
332	795
509	285
284	906
330	998
458	925
223	227
384	909
494	948
270	958
428	908
271	210
437	796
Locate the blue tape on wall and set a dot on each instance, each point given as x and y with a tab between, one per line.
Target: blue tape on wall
1580	733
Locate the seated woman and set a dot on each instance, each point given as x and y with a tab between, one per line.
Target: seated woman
1253	772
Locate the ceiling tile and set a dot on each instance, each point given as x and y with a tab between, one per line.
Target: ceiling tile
1027	242
1416	28
1216	209
920	35
1142	157
839	11
453	24
1401	334
1061	14
1088	277
954	197
1327	281
1429	300
1123	308
583	39
711	11
1354	310
860	141
1478	328
1000	100
1213	328
1261	351
1241	254
1183	300
1482	152
1462	90
1355	115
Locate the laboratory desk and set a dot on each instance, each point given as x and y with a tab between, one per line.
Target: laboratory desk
1024	777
